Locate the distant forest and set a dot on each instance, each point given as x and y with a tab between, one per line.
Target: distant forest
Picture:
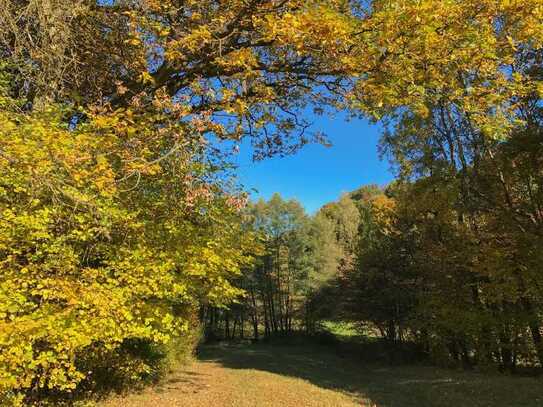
408	261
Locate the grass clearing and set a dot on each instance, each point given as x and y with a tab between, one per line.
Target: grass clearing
311	375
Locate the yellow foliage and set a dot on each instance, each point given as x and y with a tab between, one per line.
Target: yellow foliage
102	240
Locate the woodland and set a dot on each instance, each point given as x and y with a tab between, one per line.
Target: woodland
126	239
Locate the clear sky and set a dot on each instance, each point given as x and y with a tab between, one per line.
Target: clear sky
318	174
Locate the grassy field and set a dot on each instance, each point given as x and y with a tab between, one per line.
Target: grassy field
298	376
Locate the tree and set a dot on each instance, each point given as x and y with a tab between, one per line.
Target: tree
92	260
111	191
235	69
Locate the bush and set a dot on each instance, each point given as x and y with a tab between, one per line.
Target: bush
100	276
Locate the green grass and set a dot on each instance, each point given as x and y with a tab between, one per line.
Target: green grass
312	375
341	329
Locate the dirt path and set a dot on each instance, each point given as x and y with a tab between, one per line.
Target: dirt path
266	376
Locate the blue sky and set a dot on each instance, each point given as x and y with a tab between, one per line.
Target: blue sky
317	174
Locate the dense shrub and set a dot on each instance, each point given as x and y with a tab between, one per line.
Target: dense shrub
105	250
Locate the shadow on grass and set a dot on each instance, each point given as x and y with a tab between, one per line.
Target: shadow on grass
383	384
185	382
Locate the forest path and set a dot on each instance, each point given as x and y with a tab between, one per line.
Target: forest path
313	376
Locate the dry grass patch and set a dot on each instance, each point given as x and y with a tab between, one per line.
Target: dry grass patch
313	376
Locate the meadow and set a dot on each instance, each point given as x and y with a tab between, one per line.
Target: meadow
297	375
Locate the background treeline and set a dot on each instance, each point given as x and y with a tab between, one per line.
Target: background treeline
459	284
447	257
450	255
300	254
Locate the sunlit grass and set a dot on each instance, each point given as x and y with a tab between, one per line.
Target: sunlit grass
311	375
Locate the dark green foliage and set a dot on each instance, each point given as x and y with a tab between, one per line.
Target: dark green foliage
302	256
